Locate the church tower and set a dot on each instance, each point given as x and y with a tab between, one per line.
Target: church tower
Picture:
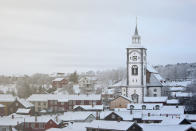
136	69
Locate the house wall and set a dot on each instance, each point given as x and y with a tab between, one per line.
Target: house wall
37	126
6	108
119	102
40	105
59	84
3	128
2	111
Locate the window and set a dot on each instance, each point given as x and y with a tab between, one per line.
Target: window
27	125
134	70
74	102
157	107
135	97
62	103
16	104
155	90
155	95
90	102
82	102
143	107
70	108
32	125
113	116
134	58
131	107
55	102
41	125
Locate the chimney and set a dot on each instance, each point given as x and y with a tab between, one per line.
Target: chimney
12	116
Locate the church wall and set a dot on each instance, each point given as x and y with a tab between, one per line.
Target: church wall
123	91
154	90
138	91
135	80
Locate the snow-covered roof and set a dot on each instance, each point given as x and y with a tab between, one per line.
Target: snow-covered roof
85	97
7	98
76	126
178	83
76	116
25	103
125	115
39	119
172	110
158	127
173	101
177	89
151	69
191	117
7	121
148	106
89	107
155	99
155	80
58	79
174	121
76	89
183	94
127	98
110	125
136	46
23	111
119	84
63	98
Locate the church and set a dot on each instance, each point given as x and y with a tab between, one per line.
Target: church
142	79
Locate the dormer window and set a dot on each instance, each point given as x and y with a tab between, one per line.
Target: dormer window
131	107
157	107
143	107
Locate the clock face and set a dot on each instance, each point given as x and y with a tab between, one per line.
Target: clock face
134	56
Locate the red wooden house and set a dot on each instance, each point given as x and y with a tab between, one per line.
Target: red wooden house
59	82
40	123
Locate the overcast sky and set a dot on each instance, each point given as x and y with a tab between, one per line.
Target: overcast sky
65	35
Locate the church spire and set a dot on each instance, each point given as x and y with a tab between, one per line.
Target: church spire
136	31
136	37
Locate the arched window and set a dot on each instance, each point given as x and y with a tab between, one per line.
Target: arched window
157	107
143	107
135	97
134	70
131	107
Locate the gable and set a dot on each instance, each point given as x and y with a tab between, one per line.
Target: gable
113	116
185	121
121	98
135	127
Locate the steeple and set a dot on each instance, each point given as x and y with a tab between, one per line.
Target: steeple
136	38
136	32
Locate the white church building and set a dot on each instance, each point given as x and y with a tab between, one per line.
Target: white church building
142	79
